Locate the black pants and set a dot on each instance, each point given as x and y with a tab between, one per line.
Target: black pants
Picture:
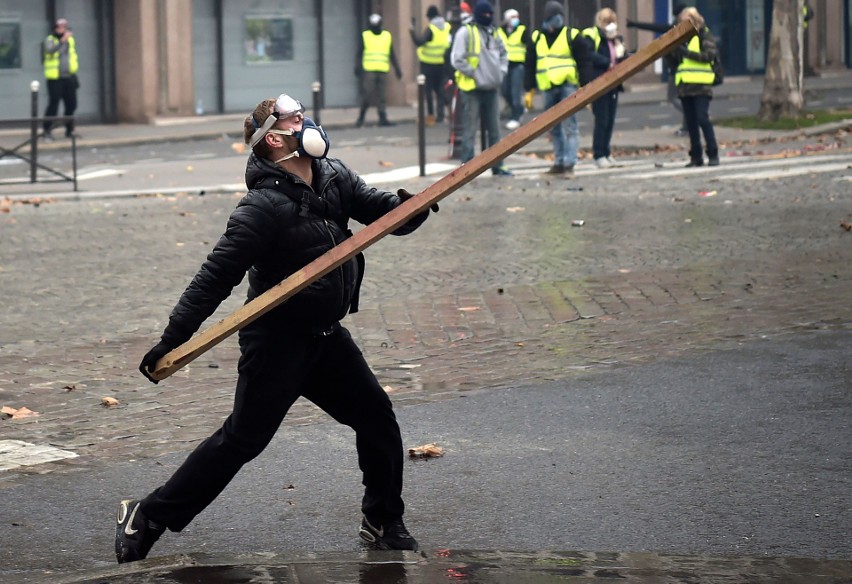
604	109
696	110
276	367
434	75
64	90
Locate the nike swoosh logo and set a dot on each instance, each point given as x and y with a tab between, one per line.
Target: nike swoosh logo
380	531
128	528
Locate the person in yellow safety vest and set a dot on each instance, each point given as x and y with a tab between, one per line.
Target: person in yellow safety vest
59	53
374	59
432	48
557	63
606	51
480	61
692	63
515	36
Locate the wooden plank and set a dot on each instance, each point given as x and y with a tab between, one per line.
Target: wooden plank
425	199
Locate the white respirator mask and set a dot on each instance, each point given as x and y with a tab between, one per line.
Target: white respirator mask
313	140
611	30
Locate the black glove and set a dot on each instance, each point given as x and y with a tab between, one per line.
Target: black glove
149	361
405	195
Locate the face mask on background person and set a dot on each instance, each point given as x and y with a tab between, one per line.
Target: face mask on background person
555	22
611	30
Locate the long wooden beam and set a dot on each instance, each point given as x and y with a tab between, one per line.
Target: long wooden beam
388	223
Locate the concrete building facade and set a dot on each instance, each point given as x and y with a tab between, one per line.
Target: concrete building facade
145	59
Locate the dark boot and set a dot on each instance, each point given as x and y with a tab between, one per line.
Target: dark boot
360	121
384	121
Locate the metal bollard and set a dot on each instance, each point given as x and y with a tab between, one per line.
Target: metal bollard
316	86
34	85
421	122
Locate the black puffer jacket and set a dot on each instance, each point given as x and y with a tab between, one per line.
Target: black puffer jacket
280	226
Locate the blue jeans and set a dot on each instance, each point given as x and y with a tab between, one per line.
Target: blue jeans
480	104
512	90
566	134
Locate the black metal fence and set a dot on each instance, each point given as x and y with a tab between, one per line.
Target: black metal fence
34	122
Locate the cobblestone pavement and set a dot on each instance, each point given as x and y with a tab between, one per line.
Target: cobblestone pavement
498	288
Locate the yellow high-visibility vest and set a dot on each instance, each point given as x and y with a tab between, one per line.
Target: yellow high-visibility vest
593	33
51	61
433	51
474	47
696	72
514	45
377	49
555	64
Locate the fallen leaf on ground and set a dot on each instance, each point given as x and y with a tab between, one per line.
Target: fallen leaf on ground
426	451
385	163
109	402
468	308
7	411
846	225
389	389
70	387
24	413
515	209
238	147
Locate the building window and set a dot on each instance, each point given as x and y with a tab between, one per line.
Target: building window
268	39
10	44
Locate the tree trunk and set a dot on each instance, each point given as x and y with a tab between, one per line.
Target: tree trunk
783	95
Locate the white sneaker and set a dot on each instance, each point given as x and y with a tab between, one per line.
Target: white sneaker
513	125
602	162
612	161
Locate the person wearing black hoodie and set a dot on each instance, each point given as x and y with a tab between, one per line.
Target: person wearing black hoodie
432	47
298	207
557	63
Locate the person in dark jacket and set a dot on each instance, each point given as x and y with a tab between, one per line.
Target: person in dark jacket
432	47
692	65
671	89
298	207
557	63
607	50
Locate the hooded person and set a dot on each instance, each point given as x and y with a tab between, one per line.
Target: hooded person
481	61
466	13
60	63
557	64
432	47
296	209
374	58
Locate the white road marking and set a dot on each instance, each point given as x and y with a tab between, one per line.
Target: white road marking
796	171
17	453
99	174
729	165
406	173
